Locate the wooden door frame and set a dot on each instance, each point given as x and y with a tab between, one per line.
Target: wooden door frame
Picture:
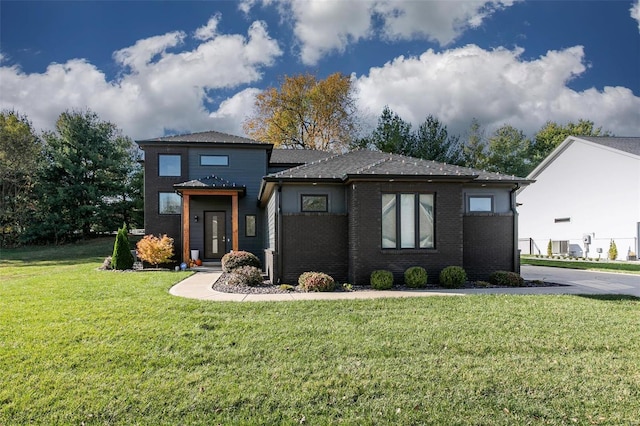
186	216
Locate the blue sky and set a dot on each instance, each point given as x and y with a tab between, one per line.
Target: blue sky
154	68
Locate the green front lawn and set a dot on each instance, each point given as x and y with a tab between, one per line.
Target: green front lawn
80	346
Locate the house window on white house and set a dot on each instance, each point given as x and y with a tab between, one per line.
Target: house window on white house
214	160
169	203
415	225
480	203
169	165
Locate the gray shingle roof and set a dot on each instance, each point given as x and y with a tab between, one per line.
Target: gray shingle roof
296	156
205	137
208	182
370	164
626	144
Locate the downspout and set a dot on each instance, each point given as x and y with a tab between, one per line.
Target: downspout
279	232
514	210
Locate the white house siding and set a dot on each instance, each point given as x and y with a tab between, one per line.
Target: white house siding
596	188
271	221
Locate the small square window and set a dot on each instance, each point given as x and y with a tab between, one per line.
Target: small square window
169	203
169	165
481	204
250	225
214	160
314	203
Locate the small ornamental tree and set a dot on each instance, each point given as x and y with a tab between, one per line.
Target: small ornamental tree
613	250
155	250
122	258
549	249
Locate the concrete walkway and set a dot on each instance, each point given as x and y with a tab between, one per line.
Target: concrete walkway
199	286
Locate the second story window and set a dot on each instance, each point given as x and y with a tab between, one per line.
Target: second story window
214	160
169	165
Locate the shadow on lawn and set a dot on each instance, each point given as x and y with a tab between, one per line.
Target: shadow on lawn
611	297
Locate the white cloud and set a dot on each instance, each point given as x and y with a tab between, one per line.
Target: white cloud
156	90
208	31
229	115
323	27
496	87
635	12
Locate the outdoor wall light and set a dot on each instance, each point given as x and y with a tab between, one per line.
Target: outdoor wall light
196	218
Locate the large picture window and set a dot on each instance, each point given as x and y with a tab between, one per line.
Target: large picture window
169	203
169	165
407	221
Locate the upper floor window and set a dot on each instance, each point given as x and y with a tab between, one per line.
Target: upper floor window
214	160
480	203
407	221
169	165
314	203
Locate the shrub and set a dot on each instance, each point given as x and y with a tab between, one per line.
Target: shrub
155	250
286	287
122	258
237	259
453	277
381	279
613	250
245	275
316	281
549	249
506	278
415	277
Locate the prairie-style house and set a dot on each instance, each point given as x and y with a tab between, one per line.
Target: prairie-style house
342	214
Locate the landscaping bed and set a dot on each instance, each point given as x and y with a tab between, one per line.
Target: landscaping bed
268	288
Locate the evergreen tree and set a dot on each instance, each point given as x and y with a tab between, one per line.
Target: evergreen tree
432	142
392	134
474	150
508	152
122	258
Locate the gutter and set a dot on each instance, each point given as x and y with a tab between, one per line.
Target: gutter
514	210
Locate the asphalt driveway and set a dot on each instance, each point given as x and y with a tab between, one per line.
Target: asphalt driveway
584	282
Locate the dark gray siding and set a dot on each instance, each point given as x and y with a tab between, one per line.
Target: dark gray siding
291	197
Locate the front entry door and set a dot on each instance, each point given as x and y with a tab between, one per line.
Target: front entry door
214	235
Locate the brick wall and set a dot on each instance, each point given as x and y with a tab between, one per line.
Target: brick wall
488	245
365	221
314	242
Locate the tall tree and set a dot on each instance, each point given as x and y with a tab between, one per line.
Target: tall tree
552	134
20	156
474	151
392	134
88	165
432	142
508	152
305	112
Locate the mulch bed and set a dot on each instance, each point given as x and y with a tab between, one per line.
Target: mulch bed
268	288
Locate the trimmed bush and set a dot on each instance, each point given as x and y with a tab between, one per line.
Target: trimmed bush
316	281
121	258
381	279
245	275
506	278
453	277
415	277
613	250
237	259
155	250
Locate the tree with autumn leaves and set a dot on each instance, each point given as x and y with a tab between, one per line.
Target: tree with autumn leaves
305	112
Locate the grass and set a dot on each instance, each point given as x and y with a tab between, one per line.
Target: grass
80	346
626	267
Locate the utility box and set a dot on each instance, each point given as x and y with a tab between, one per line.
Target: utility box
586	239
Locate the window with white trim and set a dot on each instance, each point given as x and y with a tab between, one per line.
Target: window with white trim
407	221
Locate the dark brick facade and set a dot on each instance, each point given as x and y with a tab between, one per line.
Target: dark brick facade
365	229
156	223
488	245
314	242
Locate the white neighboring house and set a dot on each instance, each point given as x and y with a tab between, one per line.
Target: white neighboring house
587	193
